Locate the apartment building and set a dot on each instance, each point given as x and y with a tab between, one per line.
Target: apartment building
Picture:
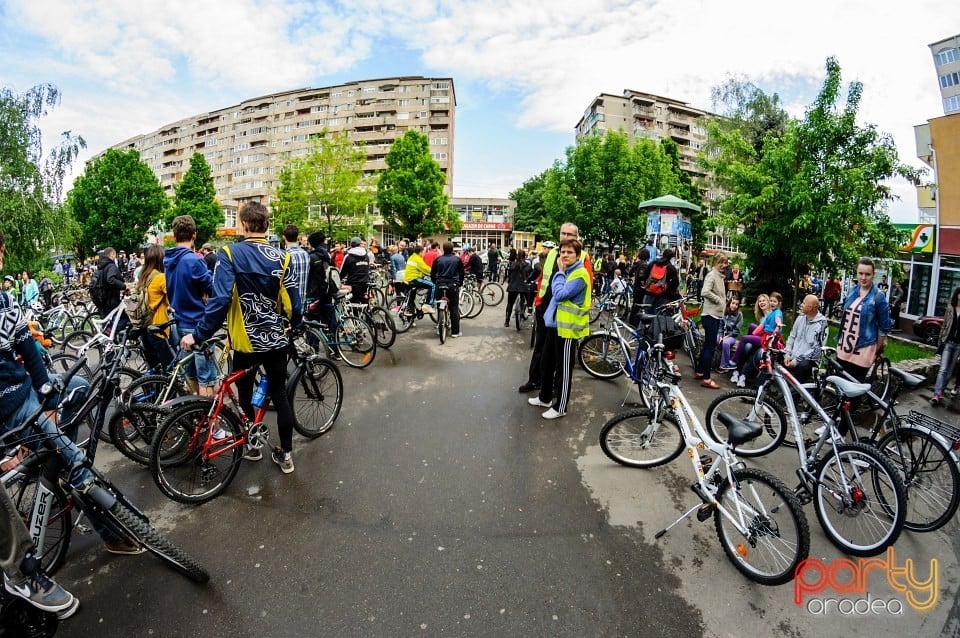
643	115
946	57
247	144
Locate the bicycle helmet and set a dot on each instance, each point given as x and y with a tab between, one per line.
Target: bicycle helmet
549	244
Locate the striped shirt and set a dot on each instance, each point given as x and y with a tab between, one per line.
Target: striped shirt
300	267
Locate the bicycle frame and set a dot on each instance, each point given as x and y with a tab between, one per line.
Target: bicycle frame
212	448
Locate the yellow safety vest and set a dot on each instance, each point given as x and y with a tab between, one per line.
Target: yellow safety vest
548	265
573	320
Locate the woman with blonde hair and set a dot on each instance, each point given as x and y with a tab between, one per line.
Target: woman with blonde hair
152	279
749	343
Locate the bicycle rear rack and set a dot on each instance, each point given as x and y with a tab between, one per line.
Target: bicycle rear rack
948	431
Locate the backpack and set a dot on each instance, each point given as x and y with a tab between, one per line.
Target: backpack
136	305
333	281
656	282
98	288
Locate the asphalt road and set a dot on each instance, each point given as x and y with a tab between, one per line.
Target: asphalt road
441	504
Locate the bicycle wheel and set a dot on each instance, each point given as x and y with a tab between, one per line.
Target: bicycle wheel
777	534
76	339
476	305
178	464
931	475
692	343
518	314
743	404
138	528
879	380
859	499
466	304
63	361
596	308
23	490
132	428
315	392
401	320
442	323
601	355
492	293
356	342
383	327
634	439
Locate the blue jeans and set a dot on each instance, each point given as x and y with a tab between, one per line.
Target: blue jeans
948	359
426	284
70	454
201	368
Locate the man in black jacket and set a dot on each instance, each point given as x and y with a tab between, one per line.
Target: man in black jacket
671	290
447	273
111	280
355	271
317	280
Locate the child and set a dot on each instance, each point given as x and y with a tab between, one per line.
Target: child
772	323
617	286
732	322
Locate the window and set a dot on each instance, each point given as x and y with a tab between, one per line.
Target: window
441	85
947	56
403	102
446	100
438	140
403	116
950	79
440	156
951	104
229	218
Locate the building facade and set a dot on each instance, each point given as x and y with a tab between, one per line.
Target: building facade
946	58
247	144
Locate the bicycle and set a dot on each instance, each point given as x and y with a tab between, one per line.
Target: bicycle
443	313
857	492
46	499
353	340
383	328
402	300
522	309
197	450
759	522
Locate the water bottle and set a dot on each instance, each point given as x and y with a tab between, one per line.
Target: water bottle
260	394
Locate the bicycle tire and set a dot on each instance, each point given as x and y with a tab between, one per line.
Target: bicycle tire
176	462
693	343
156	544
77	338
596	309
356	342
778	533
492	293
601	355
63	361
623	437
384	329
319	384
931	475
442	324
475	307
879	379
466	304
883	512
132	429
22	490
743	404
402	322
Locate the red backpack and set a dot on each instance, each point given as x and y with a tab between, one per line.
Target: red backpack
656	283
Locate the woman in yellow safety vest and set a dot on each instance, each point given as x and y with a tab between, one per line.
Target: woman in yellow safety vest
569	314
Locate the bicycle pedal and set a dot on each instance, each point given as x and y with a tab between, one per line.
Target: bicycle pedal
705	512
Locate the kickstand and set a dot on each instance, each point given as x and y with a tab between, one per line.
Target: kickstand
674	523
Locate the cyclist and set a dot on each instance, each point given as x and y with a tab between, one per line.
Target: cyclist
447	273
258	276
416	274
519	273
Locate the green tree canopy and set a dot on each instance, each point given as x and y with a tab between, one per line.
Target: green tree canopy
196	196
31	184
814	195
410	191
116	200
531	215
325	189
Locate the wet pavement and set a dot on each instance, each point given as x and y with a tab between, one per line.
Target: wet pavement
441	504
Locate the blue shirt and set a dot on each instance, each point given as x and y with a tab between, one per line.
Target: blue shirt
770	321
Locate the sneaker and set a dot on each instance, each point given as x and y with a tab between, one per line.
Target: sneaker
63	614
529	387
252	454
553	414
819	431
727	368
40	591
735	377
936	398
220	434
741	381
283	459
537	403
428	309
123	547
457	334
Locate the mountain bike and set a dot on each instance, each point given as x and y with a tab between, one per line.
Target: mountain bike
759	522
198	447
38	486
858	494
352	340
443	312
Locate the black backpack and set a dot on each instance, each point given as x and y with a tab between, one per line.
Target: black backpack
98	288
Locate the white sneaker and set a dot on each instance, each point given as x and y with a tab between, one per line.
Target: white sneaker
427	308
819	430
553	414
734	377
220	434
457	334
741	382
536	402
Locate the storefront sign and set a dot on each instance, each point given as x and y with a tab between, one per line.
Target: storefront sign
486	226
922	238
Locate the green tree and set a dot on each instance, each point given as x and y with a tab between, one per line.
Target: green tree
746	108
814	196
116	200
31	184
328	184
410	191
196	196
531	214
688	191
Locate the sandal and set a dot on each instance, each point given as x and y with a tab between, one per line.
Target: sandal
697	375
710	383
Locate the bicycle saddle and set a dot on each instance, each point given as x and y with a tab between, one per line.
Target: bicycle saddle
849	388
738	430
907	378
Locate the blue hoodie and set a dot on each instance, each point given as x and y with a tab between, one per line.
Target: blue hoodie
188	280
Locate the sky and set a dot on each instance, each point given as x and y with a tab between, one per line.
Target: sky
524	71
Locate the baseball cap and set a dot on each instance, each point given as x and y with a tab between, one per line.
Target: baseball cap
355	242
549	244
467	248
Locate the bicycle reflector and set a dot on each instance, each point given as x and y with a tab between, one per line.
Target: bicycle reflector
670	355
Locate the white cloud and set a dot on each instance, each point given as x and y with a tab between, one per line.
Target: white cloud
165	61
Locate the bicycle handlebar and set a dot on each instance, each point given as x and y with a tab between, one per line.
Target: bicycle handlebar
46	393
